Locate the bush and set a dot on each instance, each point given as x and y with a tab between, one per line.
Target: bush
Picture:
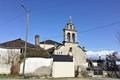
84	73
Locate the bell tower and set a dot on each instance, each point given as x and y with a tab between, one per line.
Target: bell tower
70	33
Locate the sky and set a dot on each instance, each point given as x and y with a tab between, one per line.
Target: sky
47	18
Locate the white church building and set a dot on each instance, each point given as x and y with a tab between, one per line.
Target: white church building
69	46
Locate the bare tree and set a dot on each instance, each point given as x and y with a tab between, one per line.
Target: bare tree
13	56
111	65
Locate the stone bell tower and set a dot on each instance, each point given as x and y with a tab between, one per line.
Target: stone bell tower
70	33
71	47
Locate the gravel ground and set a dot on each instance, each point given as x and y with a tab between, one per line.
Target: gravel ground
62	79
81	79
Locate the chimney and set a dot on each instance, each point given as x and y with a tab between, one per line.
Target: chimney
37	40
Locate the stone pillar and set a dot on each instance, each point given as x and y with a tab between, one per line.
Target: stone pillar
71	37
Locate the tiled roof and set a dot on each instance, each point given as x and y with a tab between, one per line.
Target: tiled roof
32	50
18	43
50	42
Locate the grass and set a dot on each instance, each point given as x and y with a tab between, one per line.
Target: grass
2	76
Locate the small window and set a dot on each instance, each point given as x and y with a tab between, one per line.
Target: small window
68	37
70	49
21	50
70	26
73	37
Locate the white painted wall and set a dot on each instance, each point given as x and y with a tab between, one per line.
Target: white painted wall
5	68
34	63
46	46
5	53
63	69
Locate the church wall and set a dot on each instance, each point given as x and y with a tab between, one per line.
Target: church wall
78	54
63	69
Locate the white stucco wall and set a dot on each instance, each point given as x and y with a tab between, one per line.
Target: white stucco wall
5	68
34	63
5	53
4	59
46	46
63	69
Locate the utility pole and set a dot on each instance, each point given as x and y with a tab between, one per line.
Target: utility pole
26	36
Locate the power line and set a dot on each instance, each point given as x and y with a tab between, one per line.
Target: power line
100	27
94	28
12	19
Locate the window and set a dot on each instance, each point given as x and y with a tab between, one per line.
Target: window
70	26
70	50
73	37
21	50
68	37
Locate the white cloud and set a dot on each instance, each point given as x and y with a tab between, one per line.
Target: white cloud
96	54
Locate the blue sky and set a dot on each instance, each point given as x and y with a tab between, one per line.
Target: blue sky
49	17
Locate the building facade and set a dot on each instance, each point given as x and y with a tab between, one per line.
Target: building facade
69	46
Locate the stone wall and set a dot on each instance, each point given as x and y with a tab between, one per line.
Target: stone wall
77	53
